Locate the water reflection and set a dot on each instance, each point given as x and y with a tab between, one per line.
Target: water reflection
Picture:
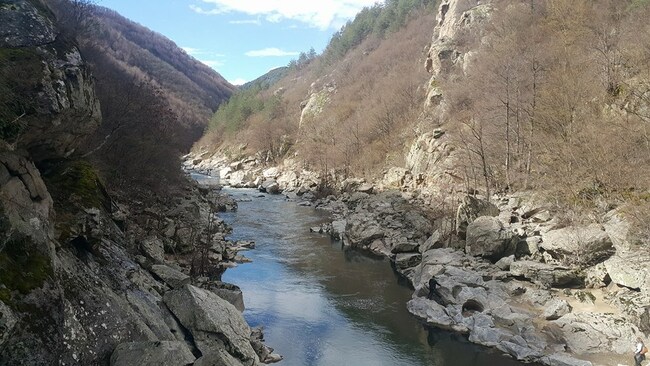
322	305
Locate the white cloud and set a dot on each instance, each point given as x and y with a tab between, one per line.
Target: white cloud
191	51
215	64
321	14
247	21
212	59
239	81
270	52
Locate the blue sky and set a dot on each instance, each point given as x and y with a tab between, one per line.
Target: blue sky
242	39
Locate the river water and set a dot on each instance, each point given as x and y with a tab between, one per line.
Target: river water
322	305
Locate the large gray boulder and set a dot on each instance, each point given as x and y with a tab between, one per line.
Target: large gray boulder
469	210
432	242
581	244
630	270
586	333
153	248
556	308
563	359
7	322
546	274
486	237
170	276
622	231
407	260
361	230
228	292
270	186
215	324
154	353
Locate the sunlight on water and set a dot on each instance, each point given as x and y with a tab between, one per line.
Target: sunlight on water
322	305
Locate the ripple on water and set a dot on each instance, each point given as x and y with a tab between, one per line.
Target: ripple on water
324	306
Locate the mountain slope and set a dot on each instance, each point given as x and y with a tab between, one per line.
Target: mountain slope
162	60
155	99
345	109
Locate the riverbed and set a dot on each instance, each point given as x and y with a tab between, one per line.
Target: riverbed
321	304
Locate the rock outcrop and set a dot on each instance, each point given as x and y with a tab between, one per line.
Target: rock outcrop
84	271
217	327
171	353
49	79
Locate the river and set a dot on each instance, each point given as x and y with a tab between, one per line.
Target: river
321	304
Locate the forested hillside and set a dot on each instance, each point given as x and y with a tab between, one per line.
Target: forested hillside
548	95
368	84
156	100
555	97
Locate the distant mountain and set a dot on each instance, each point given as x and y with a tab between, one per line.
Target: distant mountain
351	108
267	79
155	99
162	60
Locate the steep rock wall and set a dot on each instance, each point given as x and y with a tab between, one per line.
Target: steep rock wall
50	101
76	273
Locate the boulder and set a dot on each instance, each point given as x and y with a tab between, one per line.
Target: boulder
7	322
272	173
546	274
432	242
239	178
519	351
630	270
361	230
586	333
621	231
505	263
338	229
407	260
215	324
172	277
486	237
587	244
270	186
563	359
366	188
469	210
288	180
405	246
350	184
228	292
154	353
432	313
528	246
153	248
556	308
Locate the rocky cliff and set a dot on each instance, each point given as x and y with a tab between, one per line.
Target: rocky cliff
513	272
87	276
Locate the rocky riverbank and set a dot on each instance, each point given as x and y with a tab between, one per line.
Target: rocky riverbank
512	273
91	274
110	281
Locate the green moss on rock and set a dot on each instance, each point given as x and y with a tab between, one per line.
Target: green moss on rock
24	267
74	185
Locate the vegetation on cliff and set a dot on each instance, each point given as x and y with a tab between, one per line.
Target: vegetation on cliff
155	99
556	98
367	85
548	95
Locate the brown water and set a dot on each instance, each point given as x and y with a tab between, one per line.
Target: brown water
323	305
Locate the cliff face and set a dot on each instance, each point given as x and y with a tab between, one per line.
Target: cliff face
75	266
433	158
51	101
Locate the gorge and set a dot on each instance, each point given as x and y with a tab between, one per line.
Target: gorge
498	148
